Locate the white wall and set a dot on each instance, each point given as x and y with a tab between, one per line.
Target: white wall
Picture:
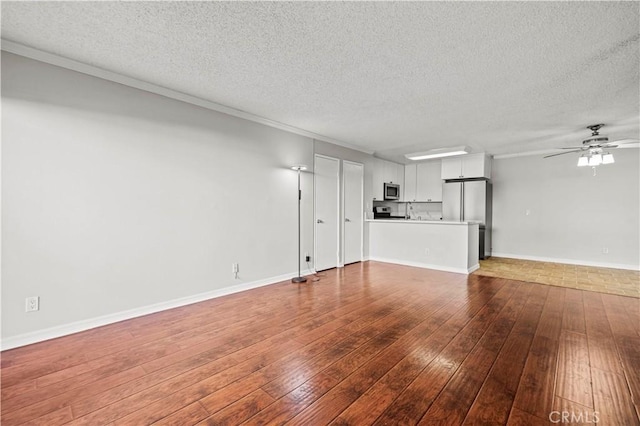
573	215
116	199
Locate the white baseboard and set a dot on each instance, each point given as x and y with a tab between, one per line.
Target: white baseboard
568	261
75	327
426	265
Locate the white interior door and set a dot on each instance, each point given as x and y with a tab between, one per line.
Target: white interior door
326	172
353	179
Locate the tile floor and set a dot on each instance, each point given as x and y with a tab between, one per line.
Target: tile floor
603	280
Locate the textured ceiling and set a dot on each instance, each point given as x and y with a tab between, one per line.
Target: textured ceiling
501	77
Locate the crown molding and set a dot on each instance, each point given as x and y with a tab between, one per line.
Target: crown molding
61	61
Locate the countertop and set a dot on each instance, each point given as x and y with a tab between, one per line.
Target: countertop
431	222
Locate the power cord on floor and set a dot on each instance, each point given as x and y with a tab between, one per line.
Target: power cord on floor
316	275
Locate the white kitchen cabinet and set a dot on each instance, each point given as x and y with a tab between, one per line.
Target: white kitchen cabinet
410	182
389	172
423	182
476	166
378	179
467	167
451	168
398	176
386	172
428	181
393	172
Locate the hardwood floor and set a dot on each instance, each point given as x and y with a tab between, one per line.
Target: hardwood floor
370	343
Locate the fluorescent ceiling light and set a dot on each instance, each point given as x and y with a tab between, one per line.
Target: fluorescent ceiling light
438	153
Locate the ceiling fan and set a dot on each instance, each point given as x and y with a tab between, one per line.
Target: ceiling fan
595	148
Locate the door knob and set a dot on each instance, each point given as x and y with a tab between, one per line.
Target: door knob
347	220
319	221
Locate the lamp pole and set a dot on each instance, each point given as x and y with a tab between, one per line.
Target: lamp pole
299	278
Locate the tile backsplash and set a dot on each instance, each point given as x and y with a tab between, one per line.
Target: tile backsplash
416	210
424	211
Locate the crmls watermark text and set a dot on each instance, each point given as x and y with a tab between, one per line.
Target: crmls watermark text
574	417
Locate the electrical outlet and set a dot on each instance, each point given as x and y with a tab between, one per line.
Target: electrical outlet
32	304
235	270
527	212
307	258
426	252
605	250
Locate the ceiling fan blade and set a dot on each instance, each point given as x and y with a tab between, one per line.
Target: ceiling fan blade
622	143
573	147
629	145
562	153
625	141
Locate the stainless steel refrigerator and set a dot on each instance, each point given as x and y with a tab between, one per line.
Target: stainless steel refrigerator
470	201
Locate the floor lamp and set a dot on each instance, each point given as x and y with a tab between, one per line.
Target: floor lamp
299	278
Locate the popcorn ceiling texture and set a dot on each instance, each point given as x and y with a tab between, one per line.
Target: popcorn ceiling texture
502	77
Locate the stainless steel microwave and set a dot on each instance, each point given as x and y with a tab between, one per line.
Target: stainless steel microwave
391	191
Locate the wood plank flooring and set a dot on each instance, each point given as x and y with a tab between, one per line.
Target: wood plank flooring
371	343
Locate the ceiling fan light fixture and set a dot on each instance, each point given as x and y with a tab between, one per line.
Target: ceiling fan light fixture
438	153
593	149
595	160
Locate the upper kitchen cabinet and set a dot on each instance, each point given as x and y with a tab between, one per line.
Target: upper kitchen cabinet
389	172
393	173
410	171
422	181
467	167
429	182
378	179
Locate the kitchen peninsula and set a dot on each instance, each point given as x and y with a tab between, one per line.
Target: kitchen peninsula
442	245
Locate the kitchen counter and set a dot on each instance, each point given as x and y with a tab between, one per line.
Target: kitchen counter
434	244
442	222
